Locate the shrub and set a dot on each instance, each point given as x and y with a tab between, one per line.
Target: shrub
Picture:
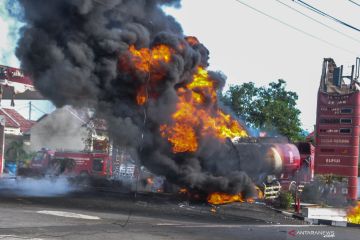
285	199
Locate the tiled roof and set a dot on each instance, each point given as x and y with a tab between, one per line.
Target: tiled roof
14	119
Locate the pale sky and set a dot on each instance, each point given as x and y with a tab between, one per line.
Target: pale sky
8	37
248	46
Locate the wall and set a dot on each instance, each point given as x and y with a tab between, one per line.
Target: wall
59	130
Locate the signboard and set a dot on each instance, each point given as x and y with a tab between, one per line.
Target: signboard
337	137
2	142
14	84
14	77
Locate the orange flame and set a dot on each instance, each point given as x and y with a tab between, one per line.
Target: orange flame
183	190
260	194
217	198
148	61
198	116
192	40
353	215
149	181
224	198
144	59
141	97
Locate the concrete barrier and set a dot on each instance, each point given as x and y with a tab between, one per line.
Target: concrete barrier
332	214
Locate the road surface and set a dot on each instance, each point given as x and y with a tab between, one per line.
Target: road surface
101	215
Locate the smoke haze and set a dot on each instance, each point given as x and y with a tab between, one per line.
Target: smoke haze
63	129
37	187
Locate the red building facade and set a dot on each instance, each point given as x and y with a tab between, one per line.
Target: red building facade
337	126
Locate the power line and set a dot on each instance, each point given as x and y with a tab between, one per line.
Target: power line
354	3
323	24
296	29
316	10
33	105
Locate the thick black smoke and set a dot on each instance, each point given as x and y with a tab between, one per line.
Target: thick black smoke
76	51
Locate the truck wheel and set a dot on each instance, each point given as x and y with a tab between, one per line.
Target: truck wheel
84	178
84	175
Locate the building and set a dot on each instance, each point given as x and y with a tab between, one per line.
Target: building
337	125
15	123
68	128
14	127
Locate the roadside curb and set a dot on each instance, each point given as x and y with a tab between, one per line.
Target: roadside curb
289	214
316	221
353	225
332	223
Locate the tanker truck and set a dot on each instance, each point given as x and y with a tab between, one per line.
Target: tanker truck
274	164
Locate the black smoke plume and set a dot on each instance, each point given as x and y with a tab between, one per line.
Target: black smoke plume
72	49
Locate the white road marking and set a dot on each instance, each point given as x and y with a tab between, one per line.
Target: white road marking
17	237
240	226
168	224
69	215
232	225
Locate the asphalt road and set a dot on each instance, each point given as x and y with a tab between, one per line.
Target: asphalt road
90	215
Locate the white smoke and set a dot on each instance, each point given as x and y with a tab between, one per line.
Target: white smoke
63	129
37	187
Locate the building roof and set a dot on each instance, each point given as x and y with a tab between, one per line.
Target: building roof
14	119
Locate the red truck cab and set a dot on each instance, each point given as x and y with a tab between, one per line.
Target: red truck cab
40	162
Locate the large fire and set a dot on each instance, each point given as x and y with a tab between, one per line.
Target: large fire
197	114
353	215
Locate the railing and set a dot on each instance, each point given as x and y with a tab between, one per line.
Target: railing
272	191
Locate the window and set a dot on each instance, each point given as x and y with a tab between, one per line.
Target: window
330	120
40	156
345	130
98	164
346	110
346	120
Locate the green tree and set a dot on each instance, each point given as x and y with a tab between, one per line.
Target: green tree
15	153
272	109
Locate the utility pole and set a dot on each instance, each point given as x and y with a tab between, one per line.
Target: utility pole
30	109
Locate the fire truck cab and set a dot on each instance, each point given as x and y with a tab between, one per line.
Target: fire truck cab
41	160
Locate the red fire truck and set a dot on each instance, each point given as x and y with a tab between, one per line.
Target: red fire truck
84	164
